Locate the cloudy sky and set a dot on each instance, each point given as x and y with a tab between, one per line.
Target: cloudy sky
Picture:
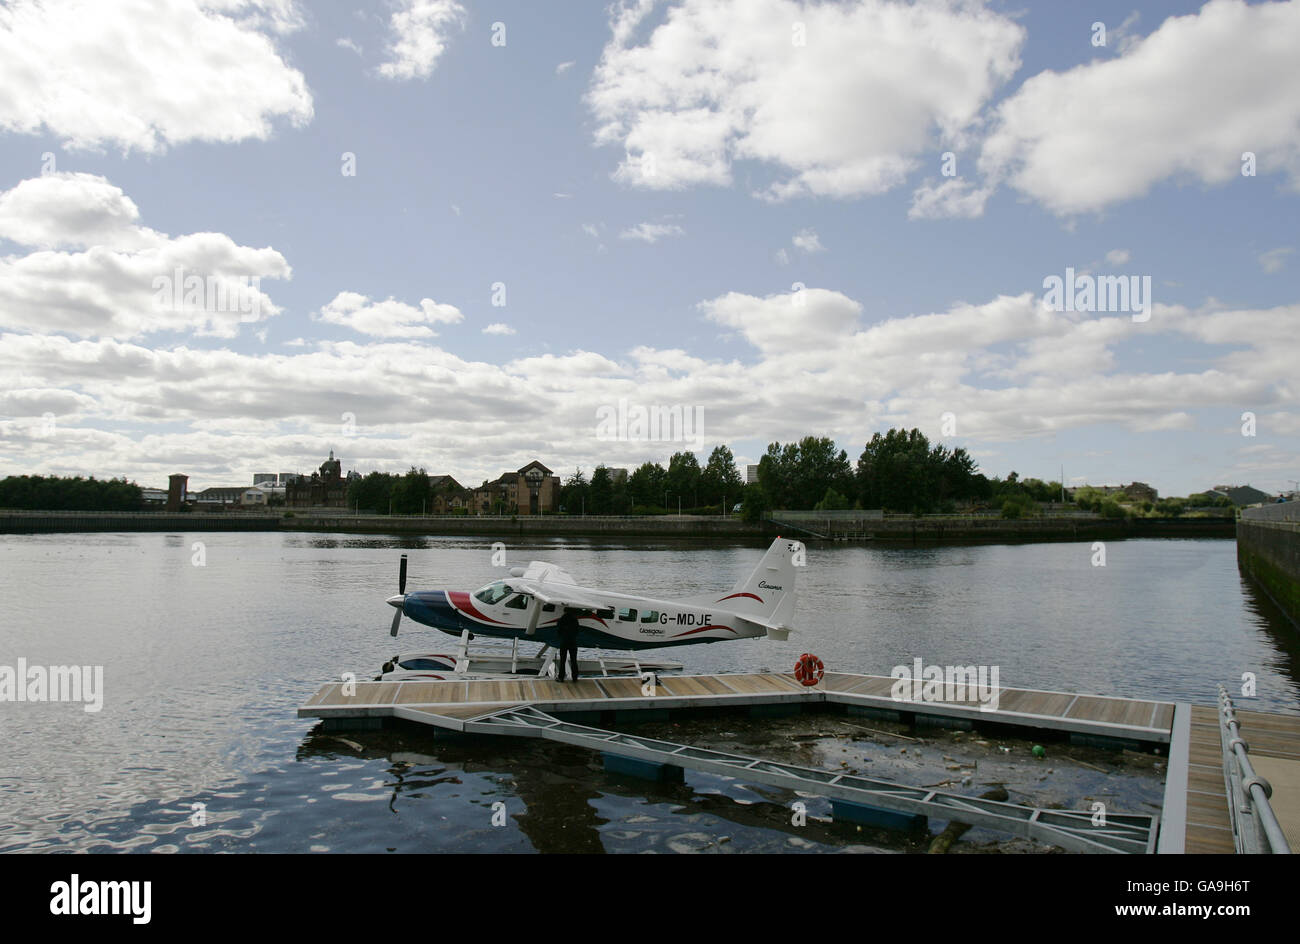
236	234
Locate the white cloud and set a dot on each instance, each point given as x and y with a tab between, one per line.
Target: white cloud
1182	104
1008	367
499	328
146	75
129	280
348	43
389	318
1275	259
564	67
1122	38
420	29
652	232
279	16
876	84
66	210
808	241
806	318
1118	257
955	198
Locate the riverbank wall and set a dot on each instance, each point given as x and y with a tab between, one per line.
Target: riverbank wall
1268	552
870	529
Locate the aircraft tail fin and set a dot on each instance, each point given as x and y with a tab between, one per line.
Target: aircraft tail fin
767	595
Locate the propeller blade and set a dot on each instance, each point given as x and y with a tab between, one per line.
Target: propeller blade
397	618
401	576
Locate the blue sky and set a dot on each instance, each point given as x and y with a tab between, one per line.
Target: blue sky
795	264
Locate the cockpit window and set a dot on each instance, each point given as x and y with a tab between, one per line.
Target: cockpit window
494	592
519	601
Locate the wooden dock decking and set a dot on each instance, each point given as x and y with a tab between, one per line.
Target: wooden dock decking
1275	752
1195	818
1124	718
1209	824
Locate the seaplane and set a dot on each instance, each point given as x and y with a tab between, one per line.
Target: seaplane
526	605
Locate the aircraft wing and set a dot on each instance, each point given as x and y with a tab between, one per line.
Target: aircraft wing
541	571
560	593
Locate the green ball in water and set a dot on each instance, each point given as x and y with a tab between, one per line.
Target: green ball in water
1038	751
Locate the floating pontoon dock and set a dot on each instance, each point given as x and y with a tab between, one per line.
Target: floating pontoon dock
1200	813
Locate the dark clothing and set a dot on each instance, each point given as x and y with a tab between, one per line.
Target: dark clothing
568	628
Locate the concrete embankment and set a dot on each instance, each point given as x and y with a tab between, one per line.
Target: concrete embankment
900	530
54	522
1003	530
544	526
1268	550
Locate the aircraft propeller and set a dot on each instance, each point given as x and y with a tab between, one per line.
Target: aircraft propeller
398	600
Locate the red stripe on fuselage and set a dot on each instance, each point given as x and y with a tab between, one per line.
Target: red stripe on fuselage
752	596
460	600
700	629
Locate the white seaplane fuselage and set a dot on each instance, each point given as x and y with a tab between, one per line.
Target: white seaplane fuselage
528	604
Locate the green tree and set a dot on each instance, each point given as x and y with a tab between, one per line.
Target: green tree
896	472
720	481
645	485
52	493
1112	509
411	493
832	501
600	492
573	493
755	502
683	480
776	475
371	492
819	466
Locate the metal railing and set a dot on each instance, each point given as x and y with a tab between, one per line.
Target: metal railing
1254	826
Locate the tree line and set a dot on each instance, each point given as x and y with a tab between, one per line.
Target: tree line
410	493
899	470
74	493
651	488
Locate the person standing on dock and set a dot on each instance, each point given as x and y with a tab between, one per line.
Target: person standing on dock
568	627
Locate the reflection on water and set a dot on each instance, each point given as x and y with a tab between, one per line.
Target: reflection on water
204	666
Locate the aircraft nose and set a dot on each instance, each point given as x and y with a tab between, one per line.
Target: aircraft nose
397	601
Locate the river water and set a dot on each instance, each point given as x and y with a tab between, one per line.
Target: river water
210	641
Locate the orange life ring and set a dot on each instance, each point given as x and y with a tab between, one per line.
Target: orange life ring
809	669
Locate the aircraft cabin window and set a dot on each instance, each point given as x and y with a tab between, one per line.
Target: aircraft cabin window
518	602
651	616
494	593
627	614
